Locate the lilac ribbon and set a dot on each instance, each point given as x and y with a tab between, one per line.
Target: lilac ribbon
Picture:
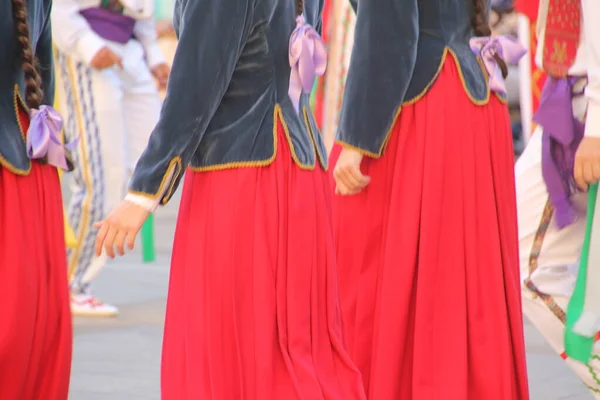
561	135
308	58
42	137
507	48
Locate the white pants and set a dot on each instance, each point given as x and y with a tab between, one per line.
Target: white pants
113	112
549	258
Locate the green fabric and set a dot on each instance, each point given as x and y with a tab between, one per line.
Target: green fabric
163	9
313	95
580	347
148	250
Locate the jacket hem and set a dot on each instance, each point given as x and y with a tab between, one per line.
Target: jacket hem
422	94
17	101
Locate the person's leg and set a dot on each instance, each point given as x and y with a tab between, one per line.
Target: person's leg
548	258
92	107
558	249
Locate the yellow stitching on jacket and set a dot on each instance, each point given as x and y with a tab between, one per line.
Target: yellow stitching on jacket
247	164
174	163
3	161
418	97
313	140
169	192
277	117
292	151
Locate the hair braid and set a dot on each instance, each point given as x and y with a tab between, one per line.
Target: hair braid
33	80
480	24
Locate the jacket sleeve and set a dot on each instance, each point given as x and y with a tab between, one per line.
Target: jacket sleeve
72	33
211	37
45	56
381	67
145	31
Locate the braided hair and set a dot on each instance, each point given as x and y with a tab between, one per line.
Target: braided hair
29	63
479	22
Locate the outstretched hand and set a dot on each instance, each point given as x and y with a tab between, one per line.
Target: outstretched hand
349	180
120	226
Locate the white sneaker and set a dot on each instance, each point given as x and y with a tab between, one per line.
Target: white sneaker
84	305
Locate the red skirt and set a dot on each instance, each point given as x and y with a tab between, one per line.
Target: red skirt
253	310
428	255
35	319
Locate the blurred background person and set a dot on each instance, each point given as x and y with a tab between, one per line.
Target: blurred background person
167	41
551	212
107	59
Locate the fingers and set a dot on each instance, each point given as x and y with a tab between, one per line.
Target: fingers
131	239
100	237
586	172
350	181
358	178
116	60
120	242
110	240
111	237
596	171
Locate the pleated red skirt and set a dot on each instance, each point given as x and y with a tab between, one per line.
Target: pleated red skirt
35	319
253	310
428	256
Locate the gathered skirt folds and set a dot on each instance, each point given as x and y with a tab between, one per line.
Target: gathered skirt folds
428	255
35	319
253	307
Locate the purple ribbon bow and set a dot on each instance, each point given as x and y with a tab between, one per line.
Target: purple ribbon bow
560	138
507	48
42	137
308	58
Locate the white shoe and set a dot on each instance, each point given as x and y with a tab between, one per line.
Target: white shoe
84	305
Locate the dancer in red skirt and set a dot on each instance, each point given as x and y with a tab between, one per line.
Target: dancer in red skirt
253	310
425	217
35	320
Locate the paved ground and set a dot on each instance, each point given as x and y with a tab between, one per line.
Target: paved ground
118	359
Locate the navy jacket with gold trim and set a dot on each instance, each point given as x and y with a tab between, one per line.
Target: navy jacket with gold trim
13	151
399	49
228	85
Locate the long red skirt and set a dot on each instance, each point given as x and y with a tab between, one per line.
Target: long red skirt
428	256
35	320
253	310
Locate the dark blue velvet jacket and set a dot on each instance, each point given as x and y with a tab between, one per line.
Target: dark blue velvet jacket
228	86
13	153
399	49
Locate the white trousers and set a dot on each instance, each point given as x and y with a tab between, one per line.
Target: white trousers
549	258
113	112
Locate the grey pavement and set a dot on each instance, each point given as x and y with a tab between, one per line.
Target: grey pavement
119	358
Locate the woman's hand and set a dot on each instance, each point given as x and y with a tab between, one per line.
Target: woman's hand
161	73
106	58
587	162
349	180
122	224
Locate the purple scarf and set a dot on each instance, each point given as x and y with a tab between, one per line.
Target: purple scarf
562	133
